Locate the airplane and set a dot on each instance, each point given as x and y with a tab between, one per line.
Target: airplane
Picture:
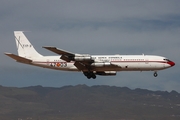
89	65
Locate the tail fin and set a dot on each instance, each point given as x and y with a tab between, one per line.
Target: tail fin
25	48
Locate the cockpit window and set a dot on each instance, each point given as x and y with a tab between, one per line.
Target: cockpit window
167	60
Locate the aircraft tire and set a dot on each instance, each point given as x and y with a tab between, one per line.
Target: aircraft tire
89	77
94	76
155	74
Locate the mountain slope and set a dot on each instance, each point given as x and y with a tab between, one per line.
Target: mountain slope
83	102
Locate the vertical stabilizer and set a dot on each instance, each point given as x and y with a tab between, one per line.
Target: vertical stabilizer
24	47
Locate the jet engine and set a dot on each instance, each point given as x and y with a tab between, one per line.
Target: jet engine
83	58
101	64
106	73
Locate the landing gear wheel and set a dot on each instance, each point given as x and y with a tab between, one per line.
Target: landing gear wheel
90	75
94	76
155	74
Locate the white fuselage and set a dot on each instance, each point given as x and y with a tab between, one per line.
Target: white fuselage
90	65
120	62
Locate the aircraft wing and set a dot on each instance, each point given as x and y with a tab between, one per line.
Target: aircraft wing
59	51
83	62
65	55
18	58
69	56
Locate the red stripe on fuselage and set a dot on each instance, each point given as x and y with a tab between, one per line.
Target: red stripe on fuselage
170	63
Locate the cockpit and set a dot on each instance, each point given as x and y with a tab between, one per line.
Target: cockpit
167	60
171	63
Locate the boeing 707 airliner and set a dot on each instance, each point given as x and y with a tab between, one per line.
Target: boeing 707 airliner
89	65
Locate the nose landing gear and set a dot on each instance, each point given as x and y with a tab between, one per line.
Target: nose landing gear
155	74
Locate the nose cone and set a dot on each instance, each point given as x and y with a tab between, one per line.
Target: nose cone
171	63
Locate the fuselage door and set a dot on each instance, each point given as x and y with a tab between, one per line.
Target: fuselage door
146	61
47	62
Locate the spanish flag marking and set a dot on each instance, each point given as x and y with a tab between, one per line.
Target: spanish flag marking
58	64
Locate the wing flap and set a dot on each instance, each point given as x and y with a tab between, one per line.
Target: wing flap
18	58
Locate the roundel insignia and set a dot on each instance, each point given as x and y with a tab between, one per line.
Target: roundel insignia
58	64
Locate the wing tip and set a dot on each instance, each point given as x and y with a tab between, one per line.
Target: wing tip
7	53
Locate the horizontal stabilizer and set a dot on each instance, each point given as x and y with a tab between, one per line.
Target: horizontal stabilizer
18	58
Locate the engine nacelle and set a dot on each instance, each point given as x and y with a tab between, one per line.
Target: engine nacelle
83	58
106	73
101	64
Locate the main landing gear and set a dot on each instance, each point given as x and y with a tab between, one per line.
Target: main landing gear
90	75
155	74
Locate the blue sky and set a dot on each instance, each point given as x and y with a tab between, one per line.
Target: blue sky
94	27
